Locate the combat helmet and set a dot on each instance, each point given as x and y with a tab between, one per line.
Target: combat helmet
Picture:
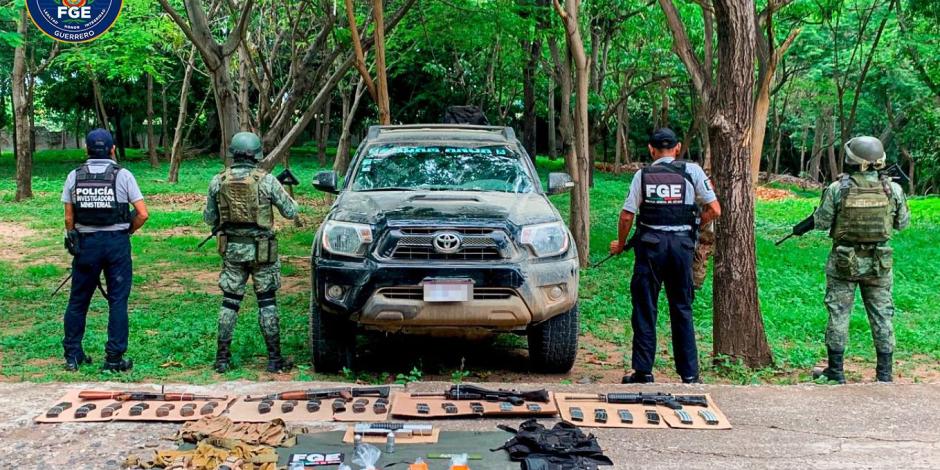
246	146
866	152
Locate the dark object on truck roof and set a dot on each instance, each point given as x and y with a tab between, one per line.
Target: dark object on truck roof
465	115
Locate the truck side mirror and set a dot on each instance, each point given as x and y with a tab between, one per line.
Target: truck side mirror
559	183
326	181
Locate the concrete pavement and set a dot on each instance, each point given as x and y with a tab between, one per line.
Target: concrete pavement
802	426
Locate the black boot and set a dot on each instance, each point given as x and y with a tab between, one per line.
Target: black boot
276	363
117	364
638	378
834	371
223	357
883	369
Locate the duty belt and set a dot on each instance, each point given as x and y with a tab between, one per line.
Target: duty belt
241	239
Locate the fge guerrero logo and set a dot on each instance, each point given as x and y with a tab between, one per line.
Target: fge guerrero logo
74	21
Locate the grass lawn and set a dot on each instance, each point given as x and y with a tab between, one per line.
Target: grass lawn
175	299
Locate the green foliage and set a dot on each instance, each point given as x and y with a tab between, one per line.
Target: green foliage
414	375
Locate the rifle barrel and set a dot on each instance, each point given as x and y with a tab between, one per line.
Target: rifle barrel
783	240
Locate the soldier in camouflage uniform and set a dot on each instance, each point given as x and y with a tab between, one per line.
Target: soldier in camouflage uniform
861	211
240	205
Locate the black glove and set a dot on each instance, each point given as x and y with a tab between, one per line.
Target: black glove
72	243
806	225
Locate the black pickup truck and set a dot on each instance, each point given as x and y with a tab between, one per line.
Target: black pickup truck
443	230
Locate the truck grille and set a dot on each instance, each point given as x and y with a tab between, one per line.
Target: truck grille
417	243
417	293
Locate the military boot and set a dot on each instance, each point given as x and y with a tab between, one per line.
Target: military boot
883	369
117	364
223	357
276	362
834	371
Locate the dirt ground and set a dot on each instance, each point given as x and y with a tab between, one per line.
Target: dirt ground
798	427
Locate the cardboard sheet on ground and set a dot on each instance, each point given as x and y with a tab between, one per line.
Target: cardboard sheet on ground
379	440
123	413
449	443
667	416
247	412
406	406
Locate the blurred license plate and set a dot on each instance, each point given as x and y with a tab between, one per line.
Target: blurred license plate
448	290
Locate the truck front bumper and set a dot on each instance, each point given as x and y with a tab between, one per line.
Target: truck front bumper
388	296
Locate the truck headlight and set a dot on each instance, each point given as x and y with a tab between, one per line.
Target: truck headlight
545	239
346	238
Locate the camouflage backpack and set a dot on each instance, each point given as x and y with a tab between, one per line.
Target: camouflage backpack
240	201
864	214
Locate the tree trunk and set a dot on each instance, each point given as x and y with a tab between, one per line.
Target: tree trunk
22	131
552	144
738	325
323	131
99	103
176	154
906	154
119	141
381	86
834	168
580	166
341	162
534	52
243	84
151	139
799	171
164	120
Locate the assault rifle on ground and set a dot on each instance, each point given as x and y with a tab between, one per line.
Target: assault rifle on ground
473	392
668	400
143	396
346	394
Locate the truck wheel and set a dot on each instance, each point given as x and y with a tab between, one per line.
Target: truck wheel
332	341
553	344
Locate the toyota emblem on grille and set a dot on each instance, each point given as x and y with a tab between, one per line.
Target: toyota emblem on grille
447	242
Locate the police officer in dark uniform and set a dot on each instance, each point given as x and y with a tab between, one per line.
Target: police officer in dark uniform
98	196
665	198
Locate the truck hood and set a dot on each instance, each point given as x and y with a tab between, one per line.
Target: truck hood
379	207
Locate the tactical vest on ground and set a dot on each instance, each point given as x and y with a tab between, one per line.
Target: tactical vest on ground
94	197
240	201
864	212
663	189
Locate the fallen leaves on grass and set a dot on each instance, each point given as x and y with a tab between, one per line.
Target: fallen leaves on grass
772	194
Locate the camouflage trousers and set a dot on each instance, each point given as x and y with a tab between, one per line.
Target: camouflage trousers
233	281
703	250
876	295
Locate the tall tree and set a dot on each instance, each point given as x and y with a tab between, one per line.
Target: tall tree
769	55
728	106
580	166
378	88
21	114
216	56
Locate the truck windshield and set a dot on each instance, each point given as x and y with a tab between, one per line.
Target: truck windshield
396	167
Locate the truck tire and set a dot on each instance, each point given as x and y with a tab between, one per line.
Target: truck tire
553	344
332	341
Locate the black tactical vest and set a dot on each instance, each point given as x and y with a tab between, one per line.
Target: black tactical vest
94	197
663	188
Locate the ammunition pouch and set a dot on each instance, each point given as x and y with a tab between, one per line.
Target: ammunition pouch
846	261
884	260
265	247
223	243
265	250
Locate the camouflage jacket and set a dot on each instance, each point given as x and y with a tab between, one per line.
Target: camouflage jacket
271	191
826	214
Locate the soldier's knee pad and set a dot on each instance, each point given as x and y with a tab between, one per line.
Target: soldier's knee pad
232	301
267	299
